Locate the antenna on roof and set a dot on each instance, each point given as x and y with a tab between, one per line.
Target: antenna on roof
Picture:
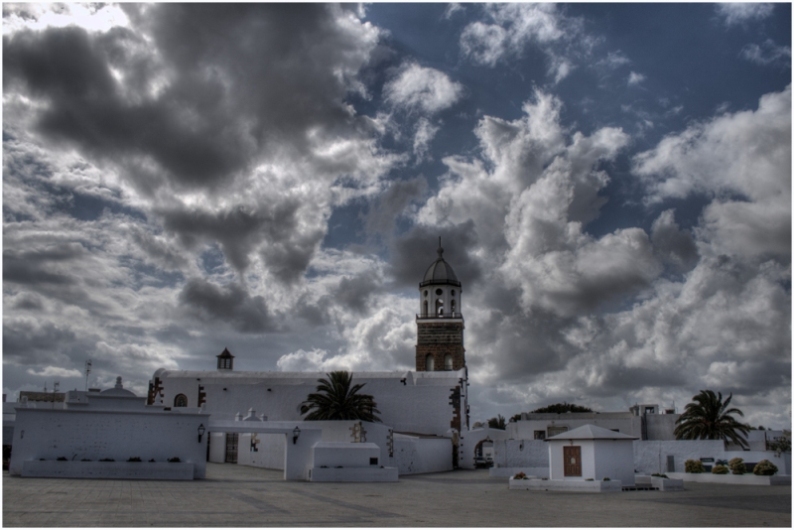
87	371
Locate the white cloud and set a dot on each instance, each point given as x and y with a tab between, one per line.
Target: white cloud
55	371
746	153
35	16
425	132
739	13
422	88
767	53
515	26
635	78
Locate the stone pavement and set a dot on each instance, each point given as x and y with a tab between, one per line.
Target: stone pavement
244	496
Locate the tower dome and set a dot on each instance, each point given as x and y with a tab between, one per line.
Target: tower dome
440	272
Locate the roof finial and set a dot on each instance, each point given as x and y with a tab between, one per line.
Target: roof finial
440	250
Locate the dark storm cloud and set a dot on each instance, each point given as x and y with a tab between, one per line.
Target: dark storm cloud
353	293
41	344
227	83
236	230
230	304
385	210
675	247
412	253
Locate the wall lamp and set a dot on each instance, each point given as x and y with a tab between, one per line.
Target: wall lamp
201	431
295	433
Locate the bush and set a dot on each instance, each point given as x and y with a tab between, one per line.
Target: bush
520	475
765	467
151	460
693	466
174	460
107	460
737	466
607	479
719	470
660	475
134	459
85	460
62	459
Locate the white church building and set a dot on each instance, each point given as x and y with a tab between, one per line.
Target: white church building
424	405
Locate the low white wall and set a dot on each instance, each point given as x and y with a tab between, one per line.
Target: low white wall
97	434
651	456
345	454
108	470
414	455
521	453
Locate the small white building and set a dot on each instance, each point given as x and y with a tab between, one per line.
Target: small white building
591	452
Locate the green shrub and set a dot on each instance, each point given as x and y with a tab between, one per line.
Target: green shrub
62	459
134	459
720	470
174	460
694	466
660	475
765	467
520	475
737	466
606	479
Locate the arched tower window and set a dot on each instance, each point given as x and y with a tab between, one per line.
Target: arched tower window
448	362
430	363
180	400
439	307
452	307
424	311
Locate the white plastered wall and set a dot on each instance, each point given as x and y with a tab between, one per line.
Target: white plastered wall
97	434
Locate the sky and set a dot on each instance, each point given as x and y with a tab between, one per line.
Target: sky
611	184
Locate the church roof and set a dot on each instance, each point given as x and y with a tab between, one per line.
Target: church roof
440	272
225	354
591	432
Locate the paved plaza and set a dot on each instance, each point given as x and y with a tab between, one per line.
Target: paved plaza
244	496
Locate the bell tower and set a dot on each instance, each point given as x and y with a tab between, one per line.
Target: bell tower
439	341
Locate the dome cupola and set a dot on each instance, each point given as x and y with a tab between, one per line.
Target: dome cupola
440	290
440	272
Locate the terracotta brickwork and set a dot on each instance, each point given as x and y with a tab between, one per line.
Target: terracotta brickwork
439	339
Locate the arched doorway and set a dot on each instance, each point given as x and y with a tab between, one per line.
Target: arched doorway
483	453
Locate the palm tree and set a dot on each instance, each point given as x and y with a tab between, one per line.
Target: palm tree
709	418
335	399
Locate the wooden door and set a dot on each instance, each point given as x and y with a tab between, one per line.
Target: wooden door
572	460
231	447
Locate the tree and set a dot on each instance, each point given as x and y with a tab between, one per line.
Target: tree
515	417
335	399
709	418
561	408
497	423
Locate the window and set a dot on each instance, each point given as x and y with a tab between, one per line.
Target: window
448	362
425	292
424	310
540	435
429	363
453	292
439	292
180	400
439	307
452	307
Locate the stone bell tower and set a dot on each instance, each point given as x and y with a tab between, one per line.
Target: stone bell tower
439	343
